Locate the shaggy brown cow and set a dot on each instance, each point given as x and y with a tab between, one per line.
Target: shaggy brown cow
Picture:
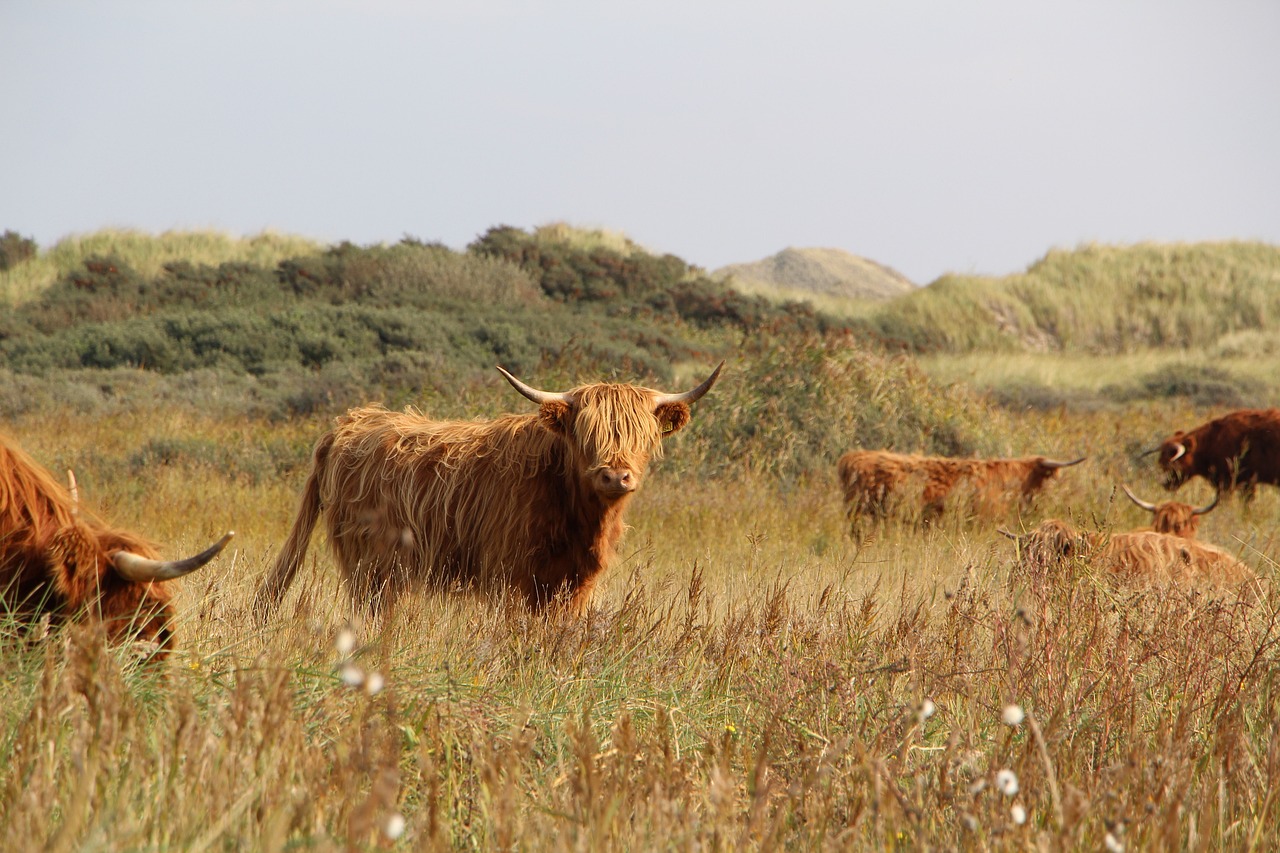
529	502
1138	556
1173	517
57	559
869	478
1238	450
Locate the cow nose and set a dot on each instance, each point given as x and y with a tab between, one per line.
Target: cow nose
615	481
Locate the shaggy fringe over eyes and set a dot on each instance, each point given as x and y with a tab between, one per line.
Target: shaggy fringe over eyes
615	424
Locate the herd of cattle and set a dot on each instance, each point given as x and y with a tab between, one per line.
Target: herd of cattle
1234	453
534	503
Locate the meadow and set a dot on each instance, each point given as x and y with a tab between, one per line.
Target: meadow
750	677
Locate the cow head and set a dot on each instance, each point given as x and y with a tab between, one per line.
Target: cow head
1051	542
1177	458
1044	469
60	560
612	431
1173	517
108	575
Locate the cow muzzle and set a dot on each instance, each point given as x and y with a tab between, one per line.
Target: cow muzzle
614	482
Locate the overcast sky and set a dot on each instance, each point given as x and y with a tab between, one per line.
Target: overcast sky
929	136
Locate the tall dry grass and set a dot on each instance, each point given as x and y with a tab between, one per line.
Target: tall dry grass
750	679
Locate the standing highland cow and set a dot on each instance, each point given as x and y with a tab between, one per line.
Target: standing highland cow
1236	451
528	502
871	479
60	560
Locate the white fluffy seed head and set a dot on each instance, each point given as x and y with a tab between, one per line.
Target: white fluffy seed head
351	675
373	683
927	709
394	826
1115	845
1018	813
1012	715
1007	782
345	642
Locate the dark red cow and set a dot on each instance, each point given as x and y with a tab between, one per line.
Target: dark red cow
1236	451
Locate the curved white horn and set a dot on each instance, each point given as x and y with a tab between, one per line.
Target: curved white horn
534	394
1054	463
1149	507
1201	510
1182	448
690	396
133	567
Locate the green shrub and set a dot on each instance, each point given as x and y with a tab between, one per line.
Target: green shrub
791	407
15	249
1202	385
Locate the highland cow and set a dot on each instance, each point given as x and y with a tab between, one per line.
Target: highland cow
1173	517
59	560
531	503
1236	451
870	479
1134	557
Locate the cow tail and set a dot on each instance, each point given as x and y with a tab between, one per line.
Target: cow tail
277	581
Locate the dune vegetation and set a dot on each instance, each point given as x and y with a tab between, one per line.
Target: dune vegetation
750	677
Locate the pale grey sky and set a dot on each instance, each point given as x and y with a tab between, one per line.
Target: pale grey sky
930	136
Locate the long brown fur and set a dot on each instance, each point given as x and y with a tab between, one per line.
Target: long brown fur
54	558
1137	556
1176	519
870	479
408	500
1236	451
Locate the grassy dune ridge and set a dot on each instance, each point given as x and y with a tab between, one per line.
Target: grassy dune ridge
1098	299
751	678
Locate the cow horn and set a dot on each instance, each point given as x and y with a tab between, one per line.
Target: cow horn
1182	448
1146	453
133	567
534	394
690	396
1149	507
1004	532
1201	510
1054	463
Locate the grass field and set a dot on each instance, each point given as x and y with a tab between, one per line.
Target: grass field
750	676
749	679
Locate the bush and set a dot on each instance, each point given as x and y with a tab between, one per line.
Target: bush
15	249
791	407
1202	385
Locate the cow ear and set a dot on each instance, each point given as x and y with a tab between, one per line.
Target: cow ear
554	416
672	417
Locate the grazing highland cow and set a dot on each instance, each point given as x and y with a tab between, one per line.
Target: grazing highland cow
59	560
870	478
1173	517
1238	450
528	502
1137	557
